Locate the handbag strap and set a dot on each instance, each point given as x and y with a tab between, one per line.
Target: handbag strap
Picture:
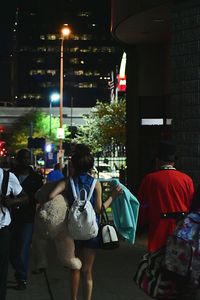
75	193
104	215
4	185
4	188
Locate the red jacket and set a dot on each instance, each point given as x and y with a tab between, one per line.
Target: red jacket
163	191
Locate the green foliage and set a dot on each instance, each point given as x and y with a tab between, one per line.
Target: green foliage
106	124
40	123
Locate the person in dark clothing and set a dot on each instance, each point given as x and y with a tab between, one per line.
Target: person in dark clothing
23	218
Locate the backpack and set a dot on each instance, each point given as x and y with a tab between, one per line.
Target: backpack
4	188
82	224
183	249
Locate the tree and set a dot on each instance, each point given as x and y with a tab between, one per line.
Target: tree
39	122
106	124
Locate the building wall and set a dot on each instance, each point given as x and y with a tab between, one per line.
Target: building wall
147	98
185	84
162	80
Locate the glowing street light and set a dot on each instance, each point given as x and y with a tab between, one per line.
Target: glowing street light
53	98
65	32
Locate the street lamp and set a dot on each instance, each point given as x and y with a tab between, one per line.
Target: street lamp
65	32
53	98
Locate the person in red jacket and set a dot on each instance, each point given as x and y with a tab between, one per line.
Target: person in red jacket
164	195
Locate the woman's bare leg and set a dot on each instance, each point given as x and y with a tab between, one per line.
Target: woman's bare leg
88	257
75	280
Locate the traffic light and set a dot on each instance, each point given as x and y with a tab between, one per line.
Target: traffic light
36	143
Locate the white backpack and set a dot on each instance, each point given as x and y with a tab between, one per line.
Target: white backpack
82	224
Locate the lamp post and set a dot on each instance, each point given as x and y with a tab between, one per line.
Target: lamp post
65	32
53	98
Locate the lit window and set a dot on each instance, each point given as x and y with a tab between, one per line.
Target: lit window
51	49
75	49
84	14
88	73
51	72
87	85
148	122
75	37
39	60
37	72
74	61
78	72
51	37
31	97
86	37
84	50
41	49
42	37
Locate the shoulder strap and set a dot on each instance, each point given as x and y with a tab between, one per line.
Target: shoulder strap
4	185
74	189
91	190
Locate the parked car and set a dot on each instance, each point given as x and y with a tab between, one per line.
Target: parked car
105	171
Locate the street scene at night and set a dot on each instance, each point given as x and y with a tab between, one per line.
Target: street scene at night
100	150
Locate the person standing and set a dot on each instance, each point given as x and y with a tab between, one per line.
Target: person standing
23	218
15	189
55	174
164	196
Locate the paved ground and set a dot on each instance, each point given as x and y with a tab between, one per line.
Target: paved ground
113	273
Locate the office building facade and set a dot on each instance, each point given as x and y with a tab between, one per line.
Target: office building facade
90	53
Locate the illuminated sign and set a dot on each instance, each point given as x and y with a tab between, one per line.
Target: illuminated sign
121	83
60	133
121	77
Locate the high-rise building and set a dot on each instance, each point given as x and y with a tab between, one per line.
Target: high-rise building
90	52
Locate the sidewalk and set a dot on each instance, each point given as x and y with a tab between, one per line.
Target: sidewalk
113	277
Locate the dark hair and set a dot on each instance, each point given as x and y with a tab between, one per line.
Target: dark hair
57	166
22	152
167	151
82	159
